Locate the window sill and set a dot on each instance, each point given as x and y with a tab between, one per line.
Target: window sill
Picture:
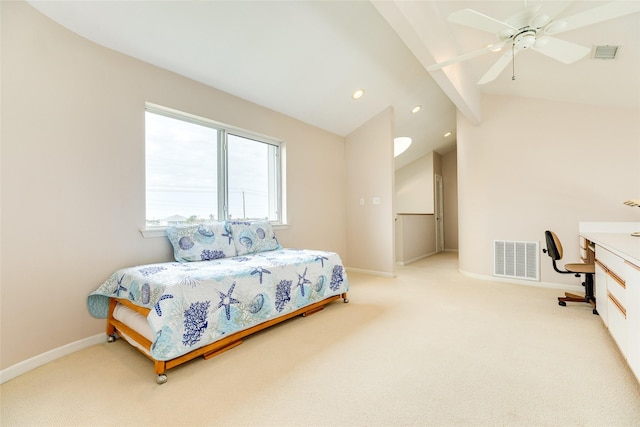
154	232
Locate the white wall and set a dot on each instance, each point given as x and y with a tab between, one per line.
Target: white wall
450	184
370	227
72	175
536	165
415	237
414	187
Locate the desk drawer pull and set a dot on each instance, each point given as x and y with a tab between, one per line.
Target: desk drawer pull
617	278
617	304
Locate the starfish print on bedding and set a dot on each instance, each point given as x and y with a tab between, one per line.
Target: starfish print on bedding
157	305
227	234
120	287
321	259
226	300
302	280
260	271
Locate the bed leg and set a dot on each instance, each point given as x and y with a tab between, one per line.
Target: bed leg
160	370
111	330
344	297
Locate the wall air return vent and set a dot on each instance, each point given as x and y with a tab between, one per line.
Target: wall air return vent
605	52
518	260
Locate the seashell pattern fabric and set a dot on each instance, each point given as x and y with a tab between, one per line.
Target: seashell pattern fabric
201	242
253	237
196	303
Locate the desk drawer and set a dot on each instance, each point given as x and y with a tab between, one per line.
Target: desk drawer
615	270
611	261
616	315
617	287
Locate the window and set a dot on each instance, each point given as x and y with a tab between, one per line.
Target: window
199	170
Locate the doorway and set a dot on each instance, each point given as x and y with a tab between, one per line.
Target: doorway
439	211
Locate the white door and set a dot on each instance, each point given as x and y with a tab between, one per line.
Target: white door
439	215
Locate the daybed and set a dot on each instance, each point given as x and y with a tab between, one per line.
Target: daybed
230	279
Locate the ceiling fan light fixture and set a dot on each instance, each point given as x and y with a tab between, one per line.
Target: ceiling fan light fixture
400	145
555	27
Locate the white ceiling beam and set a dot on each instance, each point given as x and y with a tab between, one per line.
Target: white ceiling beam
425	32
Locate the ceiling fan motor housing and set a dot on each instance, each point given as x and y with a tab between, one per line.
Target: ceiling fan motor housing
525	39
520	30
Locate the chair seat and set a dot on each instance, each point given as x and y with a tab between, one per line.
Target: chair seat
580	268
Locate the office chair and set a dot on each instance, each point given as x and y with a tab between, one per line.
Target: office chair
554	250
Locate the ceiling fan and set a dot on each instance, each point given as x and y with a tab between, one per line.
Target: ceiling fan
530	29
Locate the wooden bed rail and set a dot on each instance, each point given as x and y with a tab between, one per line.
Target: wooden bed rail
208	351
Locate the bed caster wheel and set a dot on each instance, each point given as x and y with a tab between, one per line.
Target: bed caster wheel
111	338
595	312
161	379
562	303
346	300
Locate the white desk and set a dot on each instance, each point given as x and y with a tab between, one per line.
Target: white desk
617	283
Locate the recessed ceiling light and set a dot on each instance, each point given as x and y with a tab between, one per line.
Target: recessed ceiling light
447	134
400	145
416	109
358	94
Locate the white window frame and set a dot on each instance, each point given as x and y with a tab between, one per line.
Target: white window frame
276	167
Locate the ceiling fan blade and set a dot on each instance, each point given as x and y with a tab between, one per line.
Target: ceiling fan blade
477	20
498	67
494	47
602	13
560	50
522	18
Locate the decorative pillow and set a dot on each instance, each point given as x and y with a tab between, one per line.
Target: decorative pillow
252	237
201	242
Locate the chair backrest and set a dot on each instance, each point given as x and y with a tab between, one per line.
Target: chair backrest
554	247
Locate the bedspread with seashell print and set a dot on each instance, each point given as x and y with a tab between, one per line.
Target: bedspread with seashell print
196	303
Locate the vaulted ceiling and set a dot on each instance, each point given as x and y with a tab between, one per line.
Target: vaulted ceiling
306	58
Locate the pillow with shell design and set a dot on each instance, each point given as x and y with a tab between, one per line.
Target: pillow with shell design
251	237
201	242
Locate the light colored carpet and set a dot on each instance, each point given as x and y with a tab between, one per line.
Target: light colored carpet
429	348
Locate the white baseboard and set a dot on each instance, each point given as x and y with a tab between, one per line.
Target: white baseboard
415	259
42	359
372	272
550	285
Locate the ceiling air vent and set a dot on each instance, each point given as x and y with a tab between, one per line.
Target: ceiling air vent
605	52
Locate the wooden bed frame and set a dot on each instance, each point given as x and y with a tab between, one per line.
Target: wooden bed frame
207	351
